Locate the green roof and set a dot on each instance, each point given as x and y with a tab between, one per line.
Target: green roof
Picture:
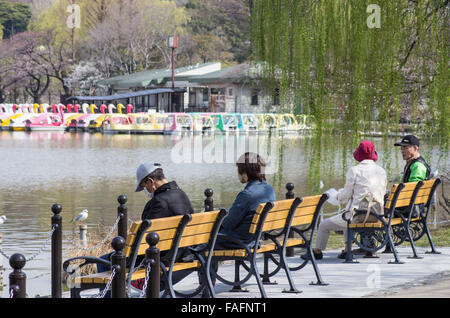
146	78
237	73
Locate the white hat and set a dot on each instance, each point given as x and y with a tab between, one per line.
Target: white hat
143	171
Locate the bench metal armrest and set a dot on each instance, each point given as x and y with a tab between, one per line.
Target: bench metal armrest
88	260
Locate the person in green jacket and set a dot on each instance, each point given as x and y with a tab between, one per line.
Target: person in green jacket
416	168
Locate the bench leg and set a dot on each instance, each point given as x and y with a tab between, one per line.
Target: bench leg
394	250
209	284
411	241
319	282
427	230
285	266
349	256
237	288
255	271
75	293
265	276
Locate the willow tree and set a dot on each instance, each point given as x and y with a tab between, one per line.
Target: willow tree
356	63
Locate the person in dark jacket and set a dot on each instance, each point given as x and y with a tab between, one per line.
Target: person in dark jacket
237	223
167	199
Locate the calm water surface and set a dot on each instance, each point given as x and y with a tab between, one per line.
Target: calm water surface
90	170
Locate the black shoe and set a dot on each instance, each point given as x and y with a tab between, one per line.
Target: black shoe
359	251
316	256
343	255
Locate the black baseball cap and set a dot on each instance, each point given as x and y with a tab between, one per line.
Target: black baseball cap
409	140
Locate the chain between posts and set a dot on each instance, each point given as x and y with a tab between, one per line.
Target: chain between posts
32	257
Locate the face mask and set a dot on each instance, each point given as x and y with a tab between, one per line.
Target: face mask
149	194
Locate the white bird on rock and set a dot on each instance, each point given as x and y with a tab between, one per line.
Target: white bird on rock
81	217
2	219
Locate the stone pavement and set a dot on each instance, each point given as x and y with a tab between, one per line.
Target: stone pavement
371	277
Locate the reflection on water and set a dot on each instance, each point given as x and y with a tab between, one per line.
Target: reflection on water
90	170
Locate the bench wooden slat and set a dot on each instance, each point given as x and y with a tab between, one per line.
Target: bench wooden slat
365	225
103	278
309	201
267	247
302	220
404	197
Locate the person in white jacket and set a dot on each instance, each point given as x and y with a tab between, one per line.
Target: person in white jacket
365	186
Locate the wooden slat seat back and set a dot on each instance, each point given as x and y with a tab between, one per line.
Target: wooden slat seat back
426	192
197	231
276	218
399	196
307	210
404	198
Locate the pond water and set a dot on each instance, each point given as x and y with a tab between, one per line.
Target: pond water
89	171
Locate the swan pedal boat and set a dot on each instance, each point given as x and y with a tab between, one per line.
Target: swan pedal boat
117	124
178	123
148	123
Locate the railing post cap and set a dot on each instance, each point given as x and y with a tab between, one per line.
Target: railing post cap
209	192
152	238
17	261
56	208
122	199
290	186
118	243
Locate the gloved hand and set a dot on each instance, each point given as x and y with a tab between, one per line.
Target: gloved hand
332	196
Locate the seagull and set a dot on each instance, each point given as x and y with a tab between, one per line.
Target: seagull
321	185
81	217
2	219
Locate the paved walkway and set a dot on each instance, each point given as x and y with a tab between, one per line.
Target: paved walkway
371	277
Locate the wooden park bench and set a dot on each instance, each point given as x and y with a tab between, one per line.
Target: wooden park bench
373	236
174	233
269	218
414	227
304	224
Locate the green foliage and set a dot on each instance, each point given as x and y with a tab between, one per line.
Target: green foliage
14	18
226	22
347	72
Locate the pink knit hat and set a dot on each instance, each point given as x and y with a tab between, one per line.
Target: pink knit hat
365	151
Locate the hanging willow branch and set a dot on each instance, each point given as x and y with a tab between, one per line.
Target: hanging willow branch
330	62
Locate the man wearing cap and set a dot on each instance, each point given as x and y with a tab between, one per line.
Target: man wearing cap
416	168
167	199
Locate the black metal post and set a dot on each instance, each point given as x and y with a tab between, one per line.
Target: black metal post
209	202
17	279
118	264
122	212
290	195
152	257
57	251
